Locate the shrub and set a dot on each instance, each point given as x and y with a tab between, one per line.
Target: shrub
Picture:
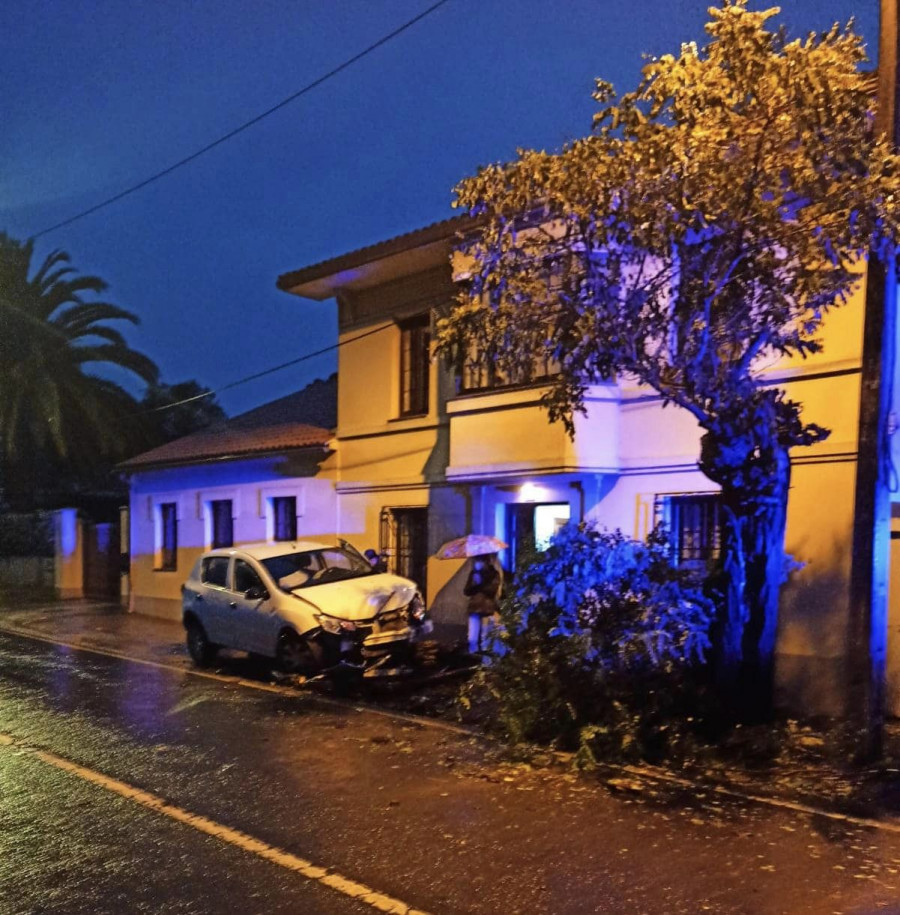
599	640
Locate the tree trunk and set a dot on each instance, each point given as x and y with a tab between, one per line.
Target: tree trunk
752	567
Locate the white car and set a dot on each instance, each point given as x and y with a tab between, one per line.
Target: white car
307	605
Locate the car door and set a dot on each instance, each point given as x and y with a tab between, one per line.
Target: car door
211	605
254	620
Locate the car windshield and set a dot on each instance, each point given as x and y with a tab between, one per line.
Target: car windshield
315	567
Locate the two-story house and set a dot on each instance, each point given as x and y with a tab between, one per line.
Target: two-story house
421	454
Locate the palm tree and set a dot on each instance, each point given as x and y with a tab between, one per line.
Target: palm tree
54	411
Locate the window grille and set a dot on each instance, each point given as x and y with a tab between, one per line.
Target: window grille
694	525
403	539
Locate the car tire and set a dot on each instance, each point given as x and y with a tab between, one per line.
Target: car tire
199	647
297	655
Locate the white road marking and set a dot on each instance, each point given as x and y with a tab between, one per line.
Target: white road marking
328	878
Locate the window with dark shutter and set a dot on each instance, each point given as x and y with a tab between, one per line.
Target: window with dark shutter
222	523
284	518
168	521
415	338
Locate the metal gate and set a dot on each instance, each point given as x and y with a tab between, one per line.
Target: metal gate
101	561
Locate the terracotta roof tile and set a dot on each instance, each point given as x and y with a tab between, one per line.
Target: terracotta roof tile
283	424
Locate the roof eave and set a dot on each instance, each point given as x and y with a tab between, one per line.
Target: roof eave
128	467
410	253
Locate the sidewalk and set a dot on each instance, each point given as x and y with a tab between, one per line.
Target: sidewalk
803	773
104	626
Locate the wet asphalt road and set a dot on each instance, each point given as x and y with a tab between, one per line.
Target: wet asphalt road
426	816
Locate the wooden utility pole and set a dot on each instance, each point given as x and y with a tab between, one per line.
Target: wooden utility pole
867	635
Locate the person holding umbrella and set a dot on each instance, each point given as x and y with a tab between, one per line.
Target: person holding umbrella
483	586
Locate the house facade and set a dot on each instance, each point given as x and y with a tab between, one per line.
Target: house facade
420	454
257	477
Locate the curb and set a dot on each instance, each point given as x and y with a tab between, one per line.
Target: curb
653	774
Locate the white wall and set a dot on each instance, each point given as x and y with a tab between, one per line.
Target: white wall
249	484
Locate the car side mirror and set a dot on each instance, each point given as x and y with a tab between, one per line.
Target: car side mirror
257	592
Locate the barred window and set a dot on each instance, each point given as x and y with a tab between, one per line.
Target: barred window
694	524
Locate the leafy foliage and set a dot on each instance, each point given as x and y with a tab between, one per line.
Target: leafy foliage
175	410
56	415
599	635
26	534
704	229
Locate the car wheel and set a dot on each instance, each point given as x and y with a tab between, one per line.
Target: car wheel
297	655
201	650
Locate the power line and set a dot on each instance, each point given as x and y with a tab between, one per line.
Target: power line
271	371
247	124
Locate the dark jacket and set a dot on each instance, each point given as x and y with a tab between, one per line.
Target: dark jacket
483	589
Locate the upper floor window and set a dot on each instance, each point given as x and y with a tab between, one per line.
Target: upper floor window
284	518
480	373
221	523
167	519
694	525
415	338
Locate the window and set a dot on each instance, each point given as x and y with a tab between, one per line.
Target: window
530	525
168	537
404	540
284	518
479	373
694	525
415	337
245	577
214	571
221	523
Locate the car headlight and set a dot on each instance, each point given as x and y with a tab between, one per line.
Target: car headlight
417	608
335	626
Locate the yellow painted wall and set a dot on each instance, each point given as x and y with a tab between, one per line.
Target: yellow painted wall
508	432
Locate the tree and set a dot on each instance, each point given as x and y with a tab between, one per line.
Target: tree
175	410
55	415
710	221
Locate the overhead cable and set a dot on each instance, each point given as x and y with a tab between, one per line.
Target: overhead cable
271	371
247	124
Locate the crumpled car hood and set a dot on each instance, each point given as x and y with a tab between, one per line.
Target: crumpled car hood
359	598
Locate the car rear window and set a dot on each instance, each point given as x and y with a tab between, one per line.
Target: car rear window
215	571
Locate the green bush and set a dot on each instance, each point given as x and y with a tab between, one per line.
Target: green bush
598	648
29	534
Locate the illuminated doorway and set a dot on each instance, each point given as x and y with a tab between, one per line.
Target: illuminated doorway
530	525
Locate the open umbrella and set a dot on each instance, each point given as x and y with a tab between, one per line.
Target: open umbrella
470	545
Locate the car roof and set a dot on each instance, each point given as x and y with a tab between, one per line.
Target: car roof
267	550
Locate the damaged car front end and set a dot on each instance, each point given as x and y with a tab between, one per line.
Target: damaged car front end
309	606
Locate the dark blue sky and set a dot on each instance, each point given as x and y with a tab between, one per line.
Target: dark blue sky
97	94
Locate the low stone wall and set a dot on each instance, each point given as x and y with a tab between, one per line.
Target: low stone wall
27	577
